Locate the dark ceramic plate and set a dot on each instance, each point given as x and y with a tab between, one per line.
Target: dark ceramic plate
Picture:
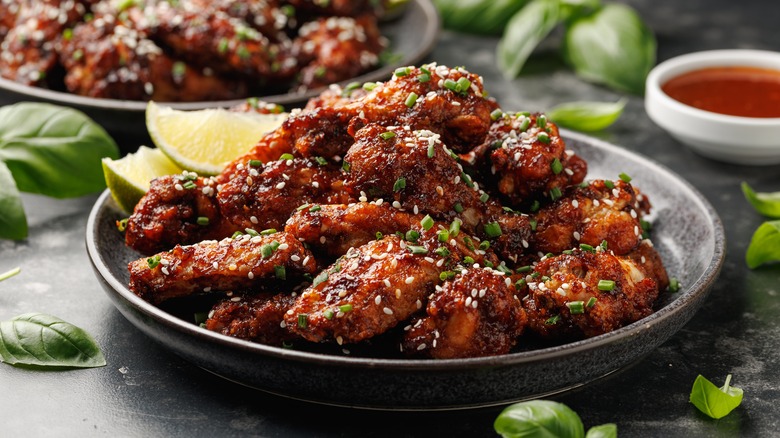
412	35
687	233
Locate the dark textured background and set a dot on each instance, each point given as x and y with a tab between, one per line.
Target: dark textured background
146	391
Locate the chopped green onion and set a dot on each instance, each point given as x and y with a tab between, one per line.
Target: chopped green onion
153	261
345	308
202	221
315	208
496	114
431	150
556	166
402	71
609	184
285	157
469	243
387	135
427	222
379	235
255	163
412	236
493	229
321	161
543	137
442	251
399	184
523	269
586	247
603	245
576	307
484	197
236	234
606	285
424	77
524	125
321	277
541	121
121	225
352	86
328	314
268	231
555	193
674	284
417	249
346	166
521	283
446	275
467	179
411	100
553	320
189	185
625	178
463	85
567	252
455	227
450	85
458	207
251	232
303	320
280	272
468	260
591	302
443	235
484	245
533	223
368	86
266	250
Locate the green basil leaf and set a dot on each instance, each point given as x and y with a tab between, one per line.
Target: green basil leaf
608	430
539	418
52	150
487	17
765	245
586	116
768	204
13	222
525	30
611	46
39	340
713	401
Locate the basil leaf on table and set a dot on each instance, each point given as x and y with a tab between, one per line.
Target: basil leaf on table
713	401
13	222
486	17
611	46
539	418
768	204
764	245
586	116
608	430
524	32
39	340
52	150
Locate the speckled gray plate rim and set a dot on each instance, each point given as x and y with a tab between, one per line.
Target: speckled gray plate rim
420	23
677	309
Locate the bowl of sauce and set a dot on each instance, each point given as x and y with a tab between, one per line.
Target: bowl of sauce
723	104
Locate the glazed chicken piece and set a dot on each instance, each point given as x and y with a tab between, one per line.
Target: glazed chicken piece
8	11
177	209
601	211
334	229
346	8
337	48
374	287
587	293
264	196
254	317
108	57
28	53
476	314
242	263
529	158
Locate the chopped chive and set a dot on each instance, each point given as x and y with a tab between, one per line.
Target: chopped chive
417	249
458	207
586	247
591	302
399	184
345	308
379	235
412	236
280	272
543	137
202	221
153	261
493	229
609	184
496	114
484	197
606	285
556	166
321	161
674	284
303	320
625	178
553	320
576	307
255	163
321	277
455	228
443	235
555	193
411	99
387	135
402	71
442	251
427	222
541	121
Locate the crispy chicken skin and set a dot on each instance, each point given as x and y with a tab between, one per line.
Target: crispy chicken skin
242	263
447	230
565	302
255	317
476	314
374	287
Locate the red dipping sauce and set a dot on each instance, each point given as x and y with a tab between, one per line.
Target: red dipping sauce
736	91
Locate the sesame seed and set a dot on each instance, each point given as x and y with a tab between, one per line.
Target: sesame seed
280	186
421	347
388	311
468	301
398	293
576	235
253	219
378	299
409	280
215	265
251	275
386	282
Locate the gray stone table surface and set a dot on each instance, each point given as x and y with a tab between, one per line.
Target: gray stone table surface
145	391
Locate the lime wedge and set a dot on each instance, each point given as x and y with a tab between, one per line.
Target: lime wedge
128	177
204	141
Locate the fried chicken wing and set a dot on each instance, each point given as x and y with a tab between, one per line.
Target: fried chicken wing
242	263
254	317
476	314
588	293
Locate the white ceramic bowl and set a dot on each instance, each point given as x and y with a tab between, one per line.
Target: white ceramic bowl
733	139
